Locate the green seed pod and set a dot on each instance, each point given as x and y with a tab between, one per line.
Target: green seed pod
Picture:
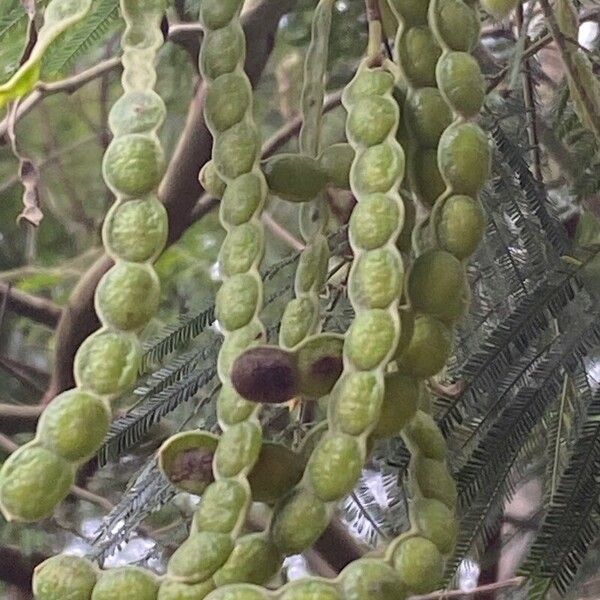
404	240
499	9
407	328
74	425
136	230
127	296
319	360
428	179
221	504
254	560
266	374
126	582
235	343
298	521
436	522
277	470
222	50
371	119
294	177
211	181
435	283
298	321
399	405
232	408
308	589
435	481
312	266
377	169
235	150
238	449
199	557
427	115
464	158
174	590
335	466
133	164
108	362
137	111
237	301
64	578
373	579
424	433
241	249
186	460
239	591
460	225
370	339
373	221
369	82
242	199
419	53
461	82
214	15
358	403
34	480
419	564
227	101
377	278
336	161
458	25
428	350
313	437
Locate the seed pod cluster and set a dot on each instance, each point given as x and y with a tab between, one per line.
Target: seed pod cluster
39	475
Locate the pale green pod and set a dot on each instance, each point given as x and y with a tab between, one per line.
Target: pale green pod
222	50
419	52
311	271
460	225
221	504
419	564
461	82
335	466
33	481
127	296
254	560
368	82
377	169
237	301
309	589
298	521
228	99
371	119
238	449
235	150
499	9
357	403
427	115
199	557
424	433
298	320
64	578
108	362
370	339
175	590
464	158
232	408
413	12
133	164
137	111
241	249
74	425
399	405
377	278
336	161
319	362
436	522
372	579
427	177
126	582
136	230
373	221
435	481
294	177
217	14
236	342
239	591
458	25
211	181
428	350
242	199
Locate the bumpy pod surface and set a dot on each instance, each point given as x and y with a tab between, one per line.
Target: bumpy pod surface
134	233
64	577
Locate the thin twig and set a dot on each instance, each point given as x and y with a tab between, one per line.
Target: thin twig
490	587
33	307
281	232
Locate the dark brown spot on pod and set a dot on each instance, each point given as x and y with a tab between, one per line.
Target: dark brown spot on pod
193	465
265	374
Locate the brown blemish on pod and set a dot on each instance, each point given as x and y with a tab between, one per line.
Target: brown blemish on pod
192	465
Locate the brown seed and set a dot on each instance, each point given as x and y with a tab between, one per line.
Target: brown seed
192	465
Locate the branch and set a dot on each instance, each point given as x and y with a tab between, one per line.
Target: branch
179	191
16	418
490	587
17	568
35	308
